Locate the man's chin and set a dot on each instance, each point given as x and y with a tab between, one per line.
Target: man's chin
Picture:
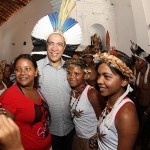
54	59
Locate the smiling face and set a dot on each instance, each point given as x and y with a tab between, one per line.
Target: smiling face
76	77
110	84
25	72
55	47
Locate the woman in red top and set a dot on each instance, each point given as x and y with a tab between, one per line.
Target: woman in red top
26	106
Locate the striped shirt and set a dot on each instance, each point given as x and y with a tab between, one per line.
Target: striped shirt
56	90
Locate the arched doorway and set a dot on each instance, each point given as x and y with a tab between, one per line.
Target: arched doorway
100	30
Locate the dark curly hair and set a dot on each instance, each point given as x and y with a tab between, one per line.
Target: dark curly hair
76	62
29	57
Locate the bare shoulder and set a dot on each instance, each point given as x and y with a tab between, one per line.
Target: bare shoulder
96	101
127	116
93	92
95	96
127	126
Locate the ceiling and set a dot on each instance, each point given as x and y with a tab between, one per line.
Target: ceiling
9	7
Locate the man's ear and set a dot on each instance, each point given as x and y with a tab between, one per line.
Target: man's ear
124	82
36	72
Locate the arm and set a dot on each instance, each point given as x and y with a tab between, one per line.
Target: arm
7	106
2	110
9	134
6	112
96	101
127	126
147	111
145	96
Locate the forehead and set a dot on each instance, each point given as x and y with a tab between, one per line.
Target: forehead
104	68
75	55
88	57
74	68
7	67
56	36
24	61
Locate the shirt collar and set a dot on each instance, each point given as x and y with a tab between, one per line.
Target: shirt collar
47	62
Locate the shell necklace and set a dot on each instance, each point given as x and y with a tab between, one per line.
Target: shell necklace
76	94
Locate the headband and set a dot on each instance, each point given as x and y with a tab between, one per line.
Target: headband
116	63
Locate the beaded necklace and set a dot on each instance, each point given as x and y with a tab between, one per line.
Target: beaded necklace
107	111
111	113
76	94
108	108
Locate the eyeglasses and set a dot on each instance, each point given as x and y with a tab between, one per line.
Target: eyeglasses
59	44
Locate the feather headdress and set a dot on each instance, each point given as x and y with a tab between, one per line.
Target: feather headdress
140	53
60	23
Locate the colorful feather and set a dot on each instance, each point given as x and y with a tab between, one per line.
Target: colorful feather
69	23
54	20
61	23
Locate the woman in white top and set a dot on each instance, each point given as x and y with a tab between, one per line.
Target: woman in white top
85	105
3	87
118	124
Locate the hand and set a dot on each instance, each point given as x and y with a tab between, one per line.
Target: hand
5	112
93	141
2	110
9	134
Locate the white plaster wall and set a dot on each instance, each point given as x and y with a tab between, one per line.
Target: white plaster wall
96	16
125	20
146	6
124	25
141	26
18	29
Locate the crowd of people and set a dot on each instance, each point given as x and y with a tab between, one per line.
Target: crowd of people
68	111
88	101
53	103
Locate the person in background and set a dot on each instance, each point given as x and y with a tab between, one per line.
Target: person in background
118	124
142	72
25	105
9	134
58	32
86	103
7	72
3	86
87	56
3	63
76	55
